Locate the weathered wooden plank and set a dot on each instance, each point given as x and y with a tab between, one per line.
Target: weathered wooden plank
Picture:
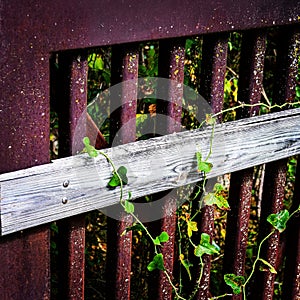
37	195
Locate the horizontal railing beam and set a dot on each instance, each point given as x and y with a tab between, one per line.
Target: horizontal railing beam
64	25
78	184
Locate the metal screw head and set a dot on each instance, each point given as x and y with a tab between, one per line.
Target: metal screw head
64	200
66	183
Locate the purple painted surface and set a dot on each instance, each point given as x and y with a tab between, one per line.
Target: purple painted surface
93	23
24	135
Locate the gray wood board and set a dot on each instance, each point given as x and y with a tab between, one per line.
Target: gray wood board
35	196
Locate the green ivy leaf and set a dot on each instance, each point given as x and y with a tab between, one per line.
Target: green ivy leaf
191	226
279	220
209	199
199	158
297	91
218	187
205	247
235	282
205	167
156	263
156	241
217	198
122	171
163	237
115	181
222	203
129	207
270	267
95	62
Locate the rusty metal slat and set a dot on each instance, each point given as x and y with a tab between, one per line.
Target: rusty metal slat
171	66
213	69
24	135
272	202
213	66
287	65
250	88
251	71
291	282
71	239
275	175
118	266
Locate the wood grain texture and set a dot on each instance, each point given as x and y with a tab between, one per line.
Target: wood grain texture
35	196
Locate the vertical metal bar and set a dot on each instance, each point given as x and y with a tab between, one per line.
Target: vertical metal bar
250	88
24	135
73	91
213	70
124	67
171	66
291	282
273	193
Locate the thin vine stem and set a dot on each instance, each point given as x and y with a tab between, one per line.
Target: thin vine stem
242	105
122	200
173	286
257	258
201	189
211	141
198	280
180	252
115	172
221	296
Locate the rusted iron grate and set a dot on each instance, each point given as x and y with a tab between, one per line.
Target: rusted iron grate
125	60
71	88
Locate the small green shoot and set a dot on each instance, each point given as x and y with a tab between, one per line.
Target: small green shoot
91	151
